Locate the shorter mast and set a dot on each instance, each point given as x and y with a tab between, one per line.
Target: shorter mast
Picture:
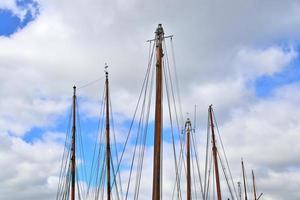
188	126
107	138
244	179
215	152
73	149
254	188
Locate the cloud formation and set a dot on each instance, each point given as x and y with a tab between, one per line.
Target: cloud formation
221	48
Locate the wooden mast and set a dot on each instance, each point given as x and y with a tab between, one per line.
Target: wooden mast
107	138
73	148
254	188
214	149
188	126
156	190
244	179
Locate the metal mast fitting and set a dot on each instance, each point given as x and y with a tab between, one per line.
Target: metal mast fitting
188	128
73	148
215	152
157	165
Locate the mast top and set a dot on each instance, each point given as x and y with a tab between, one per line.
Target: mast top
74	90
159	32
106	69
188	122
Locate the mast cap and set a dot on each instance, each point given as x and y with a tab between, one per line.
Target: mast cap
159	31
74	89
106	69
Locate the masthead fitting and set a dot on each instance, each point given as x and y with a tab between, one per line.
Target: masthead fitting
106	69
74	90
188	123
159	32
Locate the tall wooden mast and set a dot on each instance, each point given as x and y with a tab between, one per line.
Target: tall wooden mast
215	151
254	187
73	148
244	179
188	127
107	138
156	190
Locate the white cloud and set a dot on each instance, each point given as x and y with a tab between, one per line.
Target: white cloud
265	134
219	47
268	61
19	115
29	168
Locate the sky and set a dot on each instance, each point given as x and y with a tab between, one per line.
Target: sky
240	56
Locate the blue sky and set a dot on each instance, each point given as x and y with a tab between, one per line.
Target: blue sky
11	23
265	85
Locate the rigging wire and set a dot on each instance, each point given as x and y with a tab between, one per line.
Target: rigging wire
98	176
144	85
225	175
167	80
63	190
145	131
224	152
81	152
100	126
198	167
136	110
116	149
194	180
64	161
206	176
90	83
176	80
